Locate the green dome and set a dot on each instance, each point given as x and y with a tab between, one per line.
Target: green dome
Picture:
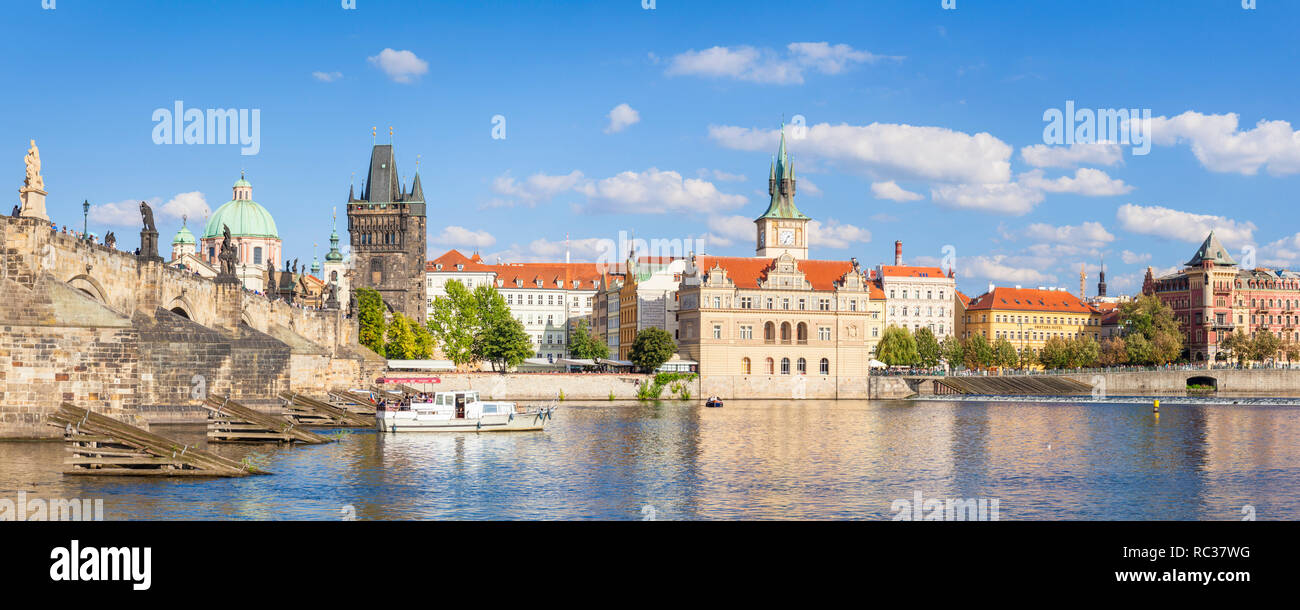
246	218
183	236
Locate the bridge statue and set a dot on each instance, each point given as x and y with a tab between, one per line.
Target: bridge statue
148	235
228	254
33	162
33	192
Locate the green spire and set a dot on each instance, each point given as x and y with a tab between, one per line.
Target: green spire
334	255
782	188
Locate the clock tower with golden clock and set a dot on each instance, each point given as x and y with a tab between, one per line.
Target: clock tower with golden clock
782	229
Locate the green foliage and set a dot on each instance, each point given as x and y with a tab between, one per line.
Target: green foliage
1113	352
1055	354
1004	354
652	348
1238	346
953	351
1265	346
1084	352
584	345
370	319
927	348
978	352
401	343
897	347
611	394
501	339
1151	319
454	322
675	382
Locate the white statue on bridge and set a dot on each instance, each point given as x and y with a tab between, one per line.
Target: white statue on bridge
33	191
33	161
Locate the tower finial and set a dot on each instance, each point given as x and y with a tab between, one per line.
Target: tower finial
373	130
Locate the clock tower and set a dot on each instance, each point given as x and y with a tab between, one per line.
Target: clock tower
782	229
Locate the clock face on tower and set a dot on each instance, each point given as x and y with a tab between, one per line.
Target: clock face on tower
786	237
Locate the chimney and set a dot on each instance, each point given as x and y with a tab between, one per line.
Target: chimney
990	286
898	252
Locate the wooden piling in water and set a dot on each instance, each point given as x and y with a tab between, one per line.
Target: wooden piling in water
353	402
102	446
307	411
231	422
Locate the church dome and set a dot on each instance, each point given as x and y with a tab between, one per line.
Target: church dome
245	217
183	236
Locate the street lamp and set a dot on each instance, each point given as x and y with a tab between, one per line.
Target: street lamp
85	219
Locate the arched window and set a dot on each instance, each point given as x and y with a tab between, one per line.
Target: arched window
744	366
771	367
769	332
802	366
785	366
801	332
785	332
824	367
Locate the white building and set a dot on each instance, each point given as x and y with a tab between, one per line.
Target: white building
918	297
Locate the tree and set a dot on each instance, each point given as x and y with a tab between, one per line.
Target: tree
1004	354
1113	352
1155	322
454	323
1055	353
952	351
1084	351
927	348
978	352
1291	349
1238	346
401	338
500	339
584	345
1265	346
1140	351
423	342
1028	358
652	348
370	319
897	347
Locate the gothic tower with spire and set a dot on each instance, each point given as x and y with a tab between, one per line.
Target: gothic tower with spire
782	228
388	232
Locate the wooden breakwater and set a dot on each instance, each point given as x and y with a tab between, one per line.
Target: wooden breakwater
102	446
353	402
307	411
231	422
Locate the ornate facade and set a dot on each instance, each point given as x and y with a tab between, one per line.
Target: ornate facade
388	229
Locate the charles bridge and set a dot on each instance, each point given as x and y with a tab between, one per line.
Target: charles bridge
134	339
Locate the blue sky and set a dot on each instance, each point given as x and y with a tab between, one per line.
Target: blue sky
918	121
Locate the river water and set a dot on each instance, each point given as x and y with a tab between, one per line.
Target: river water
748	460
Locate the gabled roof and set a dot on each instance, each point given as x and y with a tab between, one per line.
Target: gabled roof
451	258
1030	299
554	276
965	300
746	272
1212	251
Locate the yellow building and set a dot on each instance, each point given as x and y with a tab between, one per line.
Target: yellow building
1028	317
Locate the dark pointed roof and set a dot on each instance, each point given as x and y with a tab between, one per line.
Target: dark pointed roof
417	192
1212	251
382	185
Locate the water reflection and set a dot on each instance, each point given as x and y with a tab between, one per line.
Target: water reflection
749	460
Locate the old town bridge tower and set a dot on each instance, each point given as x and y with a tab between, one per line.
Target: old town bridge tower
388	232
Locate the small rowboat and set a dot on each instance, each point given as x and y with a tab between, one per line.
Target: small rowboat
713	403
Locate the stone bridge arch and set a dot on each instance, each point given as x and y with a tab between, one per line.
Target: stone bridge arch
90	286
181	306
1203	380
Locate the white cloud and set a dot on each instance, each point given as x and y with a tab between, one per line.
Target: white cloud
1087	234
533	189
1006	198
833	234
1183	226
621	117
726	230
1089	153
1221	147
120	213
191	204
1132	258
400	66
769	66
931	153
806	187
1086	181
460	236
327	77
655	191
891	191
999	270
1284	252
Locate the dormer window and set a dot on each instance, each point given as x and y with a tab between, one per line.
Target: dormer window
438	266
460	267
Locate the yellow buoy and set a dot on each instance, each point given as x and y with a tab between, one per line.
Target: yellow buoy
1156	407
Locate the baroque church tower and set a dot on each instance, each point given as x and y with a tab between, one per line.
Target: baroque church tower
389	235
782	228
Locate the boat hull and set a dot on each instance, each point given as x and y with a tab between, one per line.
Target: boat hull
403	421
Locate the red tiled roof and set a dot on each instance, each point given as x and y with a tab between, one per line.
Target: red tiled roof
965	300
451	258
527	274
747	271
1030	299
909	271
877	293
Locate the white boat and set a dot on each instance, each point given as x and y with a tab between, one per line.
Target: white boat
460	411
